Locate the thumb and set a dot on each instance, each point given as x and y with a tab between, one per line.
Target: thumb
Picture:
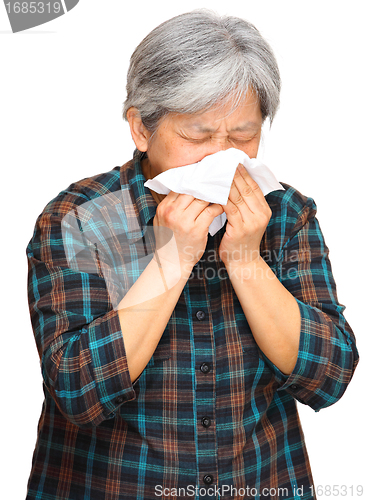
214	210
210	212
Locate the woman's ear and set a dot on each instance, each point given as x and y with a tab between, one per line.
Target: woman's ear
140	134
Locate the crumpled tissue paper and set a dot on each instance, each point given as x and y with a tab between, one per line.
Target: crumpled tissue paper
211	178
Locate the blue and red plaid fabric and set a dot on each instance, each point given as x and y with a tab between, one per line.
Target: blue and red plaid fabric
210	416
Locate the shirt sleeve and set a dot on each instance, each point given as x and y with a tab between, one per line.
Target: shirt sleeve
77	331
327	354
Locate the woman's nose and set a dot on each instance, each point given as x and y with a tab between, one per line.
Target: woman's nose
216	145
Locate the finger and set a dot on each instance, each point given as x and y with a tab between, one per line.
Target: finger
202	212
184	206
235	224
243	174
234	214
253	214
244	198
212	211
176	201
251	208
183	198
208	214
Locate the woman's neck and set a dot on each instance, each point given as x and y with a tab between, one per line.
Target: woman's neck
146	171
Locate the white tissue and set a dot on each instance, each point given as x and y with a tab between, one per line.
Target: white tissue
211	178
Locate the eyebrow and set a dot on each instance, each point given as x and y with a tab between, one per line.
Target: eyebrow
240	128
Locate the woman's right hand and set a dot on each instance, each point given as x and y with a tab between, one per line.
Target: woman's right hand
181	227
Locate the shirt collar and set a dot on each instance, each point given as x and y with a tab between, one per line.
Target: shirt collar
132	178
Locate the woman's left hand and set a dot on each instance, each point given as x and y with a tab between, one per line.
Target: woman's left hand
248	215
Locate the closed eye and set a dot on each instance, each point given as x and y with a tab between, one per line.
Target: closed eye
243	140
237	140
193	139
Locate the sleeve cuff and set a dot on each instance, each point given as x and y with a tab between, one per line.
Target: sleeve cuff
113	382
313	357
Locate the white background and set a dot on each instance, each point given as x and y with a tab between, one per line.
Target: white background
62	89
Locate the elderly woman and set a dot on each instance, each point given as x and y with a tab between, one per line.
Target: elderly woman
186	385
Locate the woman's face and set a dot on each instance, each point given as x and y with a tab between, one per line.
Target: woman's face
182	139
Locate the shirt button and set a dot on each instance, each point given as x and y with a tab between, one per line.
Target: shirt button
200	315
119	400
206	422
208	479
294	387
205	367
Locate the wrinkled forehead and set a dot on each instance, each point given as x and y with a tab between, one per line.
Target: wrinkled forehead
244	116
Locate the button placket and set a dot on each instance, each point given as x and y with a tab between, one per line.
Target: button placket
204	347
205	404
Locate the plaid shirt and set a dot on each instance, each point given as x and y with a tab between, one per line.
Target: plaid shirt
210	416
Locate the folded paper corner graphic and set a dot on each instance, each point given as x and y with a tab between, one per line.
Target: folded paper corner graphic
24	15
70	4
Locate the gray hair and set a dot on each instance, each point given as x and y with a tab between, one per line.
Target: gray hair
198	60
